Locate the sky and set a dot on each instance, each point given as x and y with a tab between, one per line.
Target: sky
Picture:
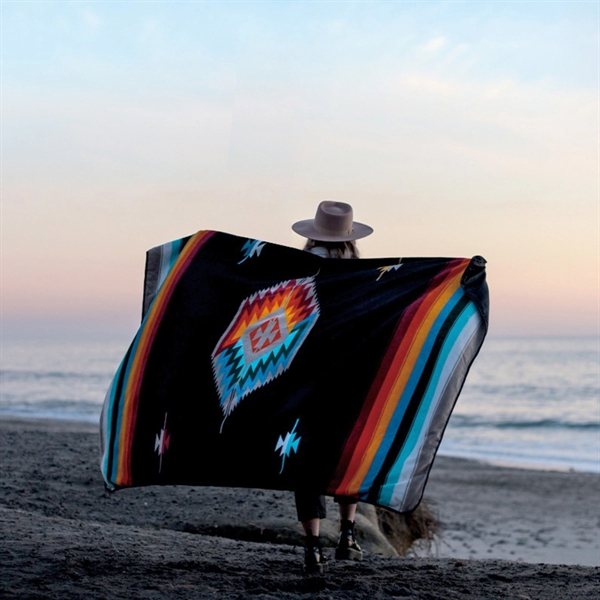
453	129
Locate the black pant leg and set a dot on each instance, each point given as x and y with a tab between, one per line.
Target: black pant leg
310	505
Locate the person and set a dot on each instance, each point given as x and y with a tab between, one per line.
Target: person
331	234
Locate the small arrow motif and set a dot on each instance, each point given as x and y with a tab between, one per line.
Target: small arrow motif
386	269
251	248
161	445
285	446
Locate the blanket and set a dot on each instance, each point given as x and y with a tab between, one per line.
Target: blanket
258	365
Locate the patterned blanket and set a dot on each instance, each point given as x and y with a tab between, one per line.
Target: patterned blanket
258	365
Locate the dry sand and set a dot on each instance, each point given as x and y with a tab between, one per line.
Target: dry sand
63	536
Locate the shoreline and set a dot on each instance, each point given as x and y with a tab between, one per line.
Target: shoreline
507	464
488	461
506	533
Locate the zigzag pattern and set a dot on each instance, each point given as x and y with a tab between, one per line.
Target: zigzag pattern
237	371
297	296
232	373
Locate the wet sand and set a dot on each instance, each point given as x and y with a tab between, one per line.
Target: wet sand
506	533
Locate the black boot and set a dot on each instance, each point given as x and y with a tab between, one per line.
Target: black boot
314	561
348	548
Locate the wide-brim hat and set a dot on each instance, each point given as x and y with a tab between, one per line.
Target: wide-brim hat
334	222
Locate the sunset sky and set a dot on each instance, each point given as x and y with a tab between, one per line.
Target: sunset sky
453	128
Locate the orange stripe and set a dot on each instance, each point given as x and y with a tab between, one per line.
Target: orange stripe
390	400
391	392
395	381
140	359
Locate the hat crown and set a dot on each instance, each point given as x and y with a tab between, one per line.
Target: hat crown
334	222
334	218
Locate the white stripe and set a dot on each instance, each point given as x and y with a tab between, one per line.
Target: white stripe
454	357
165	264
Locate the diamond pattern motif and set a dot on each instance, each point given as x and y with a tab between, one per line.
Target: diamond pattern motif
263	339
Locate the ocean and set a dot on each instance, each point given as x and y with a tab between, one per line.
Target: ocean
529	402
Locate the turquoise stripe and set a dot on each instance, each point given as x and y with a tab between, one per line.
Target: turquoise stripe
174	252
109	419
411	384
109	400
176	248
118	403
415	431
121	399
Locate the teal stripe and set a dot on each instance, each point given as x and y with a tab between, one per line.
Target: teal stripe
411	384
121	399
417	425
175	251
175	248
106	421
118	403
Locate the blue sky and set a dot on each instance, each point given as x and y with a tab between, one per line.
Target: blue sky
527	41
454	128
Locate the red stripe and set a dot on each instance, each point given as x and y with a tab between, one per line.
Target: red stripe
360	437
157	311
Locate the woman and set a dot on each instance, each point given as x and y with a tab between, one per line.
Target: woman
331	234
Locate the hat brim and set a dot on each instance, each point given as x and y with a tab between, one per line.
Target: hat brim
307	229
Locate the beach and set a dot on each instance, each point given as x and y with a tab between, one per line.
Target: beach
505	533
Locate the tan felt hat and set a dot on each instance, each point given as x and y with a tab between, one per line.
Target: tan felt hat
332	223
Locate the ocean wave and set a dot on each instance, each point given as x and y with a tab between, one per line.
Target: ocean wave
89	416
50	404
542	392
468	422
24	376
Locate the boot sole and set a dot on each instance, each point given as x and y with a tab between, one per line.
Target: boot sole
348	554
